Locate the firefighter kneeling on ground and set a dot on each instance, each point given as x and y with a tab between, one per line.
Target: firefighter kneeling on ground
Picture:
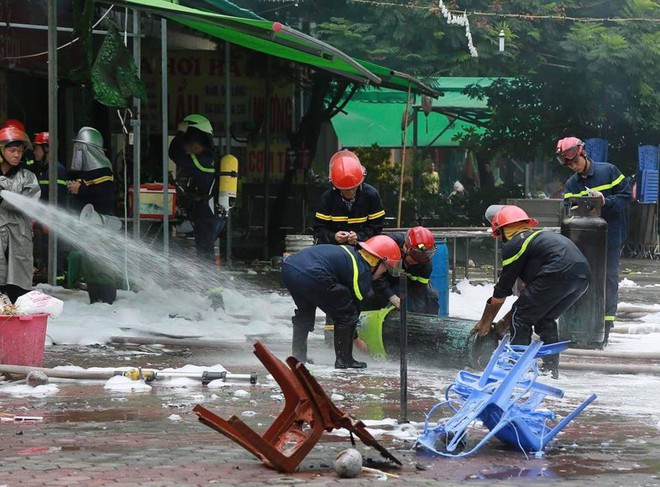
335	278
553	269
417	248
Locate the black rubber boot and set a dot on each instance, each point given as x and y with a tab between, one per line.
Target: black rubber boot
551	365
344	349
299	345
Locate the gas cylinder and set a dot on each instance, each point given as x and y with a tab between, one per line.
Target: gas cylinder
584	323
436	341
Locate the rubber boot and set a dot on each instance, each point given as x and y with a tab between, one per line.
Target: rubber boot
551	365
344	349
299	345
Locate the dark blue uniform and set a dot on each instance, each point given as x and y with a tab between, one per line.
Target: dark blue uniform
364	215
422	297
201	169
615	187
555	274
44	184
334	278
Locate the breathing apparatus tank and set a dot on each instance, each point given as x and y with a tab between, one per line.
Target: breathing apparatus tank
583	324
227	182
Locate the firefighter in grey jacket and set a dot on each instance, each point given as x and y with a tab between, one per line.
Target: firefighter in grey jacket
16	260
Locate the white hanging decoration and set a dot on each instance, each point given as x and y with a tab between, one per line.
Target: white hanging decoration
459	20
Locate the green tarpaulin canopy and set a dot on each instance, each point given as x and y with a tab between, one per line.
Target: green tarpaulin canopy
374	116
227	21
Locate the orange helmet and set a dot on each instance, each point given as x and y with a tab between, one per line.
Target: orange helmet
507	215
387	250
568	149
346	172
42	138
419	244
12	122
12	134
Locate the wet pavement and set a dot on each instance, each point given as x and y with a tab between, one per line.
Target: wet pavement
90	435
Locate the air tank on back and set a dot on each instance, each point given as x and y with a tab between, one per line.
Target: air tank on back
583	324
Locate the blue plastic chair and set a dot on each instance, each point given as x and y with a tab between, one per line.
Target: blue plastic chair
505	398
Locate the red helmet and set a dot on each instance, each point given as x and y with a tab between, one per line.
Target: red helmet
387	250
419	244
12	134
12	122
568	149
42	138
346	172
507	215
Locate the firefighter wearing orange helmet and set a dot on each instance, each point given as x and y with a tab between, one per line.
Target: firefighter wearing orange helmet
351	211
16	259
554	272
336	278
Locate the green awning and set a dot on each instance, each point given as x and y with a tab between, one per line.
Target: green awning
374	116
272	38
389	77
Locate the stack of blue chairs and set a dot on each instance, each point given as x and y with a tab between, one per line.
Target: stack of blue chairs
596	149
647	173
506	398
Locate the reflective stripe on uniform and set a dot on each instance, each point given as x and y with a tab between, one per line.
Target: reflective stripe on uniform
373	216
610	318
522	249
350	221
423	280
601	188
100	180
199	166
356	286
46	181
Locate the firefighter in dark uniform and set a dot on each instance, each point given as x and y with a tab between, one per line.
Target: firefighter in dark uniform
417	248
335	278
95	185
350	211
42	159
554	272
604	180
193	152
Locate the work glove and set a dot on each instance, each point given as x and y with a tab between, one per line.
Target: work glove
395	301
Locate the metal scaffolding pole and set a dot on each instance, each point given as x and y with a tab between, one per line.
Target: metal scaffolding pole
52	129
228	135
136	121
164	128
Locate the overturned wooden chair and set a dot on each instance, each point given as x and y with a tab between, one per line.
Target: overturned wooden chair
308	411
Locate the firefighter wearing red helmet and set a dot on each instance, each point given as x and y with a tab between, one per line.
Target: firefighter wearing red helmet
601	179
351	211
28	156
554	272
16	260
336	278
417	248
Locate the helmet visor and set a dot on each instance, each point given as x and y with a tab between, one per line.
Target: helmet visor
393	267
422	254
567	156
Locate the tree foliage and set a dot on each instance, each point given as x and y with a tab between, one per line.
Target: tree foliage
585	78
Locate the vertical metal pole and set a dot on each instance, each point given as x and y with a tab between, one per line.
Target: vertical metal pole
164	129
467	257
52	129
453	265
228	135
403	345
267	159
135	123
